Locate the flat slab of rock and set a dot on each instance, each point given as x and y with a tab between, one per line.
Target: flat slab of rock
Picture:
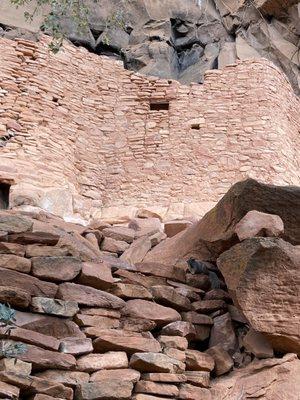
10	261
97	275
68	378
120	233
164	377
114	246
15	366
161	389
12	248
50	326
32	385
30	337
208	306
115	390
43	359
137	251
262	275
8	391
57	307
137	324
176	342
103	312
145	309
119	340
14	223
168	296
155	362
14	296
37	250
96	362
56	268
198	378
123	375
180	328
97	321
140	279
88	296
196	318
75	346
130	291
161	270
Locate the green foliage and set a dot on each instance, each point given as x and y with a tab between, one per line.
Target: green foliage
7	319
76	10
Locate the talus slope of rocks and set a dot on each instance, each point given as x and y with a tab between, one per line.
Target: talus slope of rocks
118	322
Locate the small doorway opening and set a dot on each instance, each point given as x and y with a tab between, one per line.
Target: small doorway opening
159	106
4	195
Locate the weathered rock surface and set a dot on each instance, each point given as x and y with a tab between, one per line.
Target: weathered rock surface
115	390
118	340
96	362
96	275
215	232
56	268
88	296
152	311
270	378
57	307
262	275
155	362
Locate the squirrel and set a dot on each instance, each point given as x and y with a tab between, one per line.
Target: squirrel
204	267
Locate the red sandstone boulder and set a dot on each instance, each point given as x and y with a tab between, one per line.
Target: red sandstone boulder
11	223
160	270
130	291
56	268
168	296
223	361
155	312
164	377
215	232
137	251
257	344
256	223
262	275
119	340
61	308
10	261
123	375
222	333
27	283
115	390
14	296
97	275
67	378
30	337
180	328
31	385
174	227
12	248
120	233
156	388
269	379
88	296
155	362
95	362
197	361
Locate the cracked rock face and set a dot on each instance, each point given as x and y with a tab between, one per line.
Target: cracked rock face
181	39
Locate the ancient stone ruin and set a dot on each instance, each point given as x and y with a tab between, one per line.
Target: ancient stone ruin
149	230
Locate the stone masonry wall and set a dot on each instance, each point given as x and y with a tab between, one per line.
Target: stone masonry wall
78	132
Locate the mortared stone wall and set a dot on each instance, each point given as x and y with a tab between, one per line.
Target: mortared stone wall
79	134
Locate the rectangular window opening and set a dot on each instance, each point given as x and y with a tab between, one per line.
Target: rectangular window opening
195	126
4	195
159	106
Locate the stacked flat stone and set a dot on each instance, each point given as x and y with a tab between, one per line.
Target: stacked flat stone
99	322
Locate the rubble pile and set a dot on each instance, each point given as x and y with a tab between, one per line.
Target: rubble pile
101	322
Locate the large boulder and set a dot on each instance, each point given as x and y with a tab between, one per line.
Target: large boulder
265	379
262	275
215	232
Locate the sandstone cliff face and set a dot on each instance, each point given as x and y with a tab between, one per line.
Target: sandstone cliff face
182	39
